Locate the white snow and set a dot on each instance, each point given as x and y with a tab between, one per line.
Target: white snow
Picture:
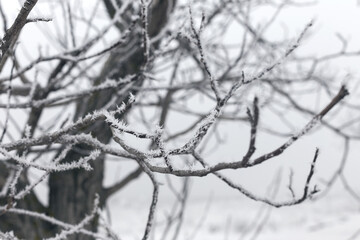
331	218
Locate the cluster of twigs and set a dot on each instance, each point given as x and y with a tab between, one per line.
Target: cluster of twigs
222	87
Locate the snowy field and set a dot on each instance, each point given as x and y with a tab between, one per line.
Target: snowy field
331	218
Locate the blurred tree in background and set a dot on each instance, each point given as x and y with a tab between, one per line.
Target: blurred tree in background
107	82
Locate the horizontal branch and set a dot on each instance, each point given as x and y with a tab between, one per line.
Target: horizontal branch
240	164
124	182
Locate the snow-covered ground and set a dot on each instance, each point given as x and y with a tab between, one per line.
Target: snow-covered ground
235	218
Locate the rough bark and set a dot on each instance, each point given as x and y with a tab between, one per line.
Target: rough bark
72	193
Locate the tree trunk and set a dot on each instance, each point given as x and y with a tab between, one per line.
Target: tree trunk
72	193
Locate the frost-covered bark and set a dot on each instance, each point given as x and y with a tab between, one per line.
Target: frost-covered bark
72	192
155	65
